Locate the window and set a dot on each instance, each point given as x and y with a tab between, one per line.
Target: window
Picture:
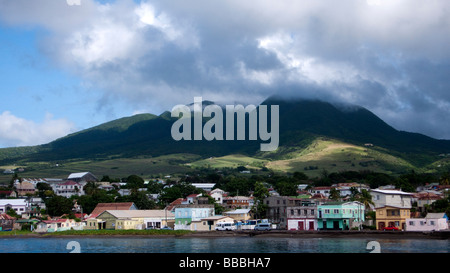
312	212
305	211
432	223
421	223
327	211
411	223
335	211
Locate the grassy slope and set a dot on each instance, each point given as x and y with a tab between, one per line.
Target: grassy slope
335	156
114	168
321	154
229	161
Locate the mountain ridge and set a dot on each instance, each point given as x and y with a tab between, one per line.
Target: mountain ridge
301	121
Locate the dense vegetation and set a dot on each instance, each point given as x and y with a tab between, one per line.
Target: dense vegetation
301	122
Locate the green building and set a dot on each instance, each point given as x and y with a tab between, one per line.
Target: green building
340	215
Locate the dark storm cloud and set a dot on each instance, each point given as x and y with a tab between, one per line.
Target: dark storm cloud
388	56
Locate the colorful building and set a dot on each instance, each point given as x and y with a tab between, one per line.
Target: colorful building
133	219
340	215
390	216
186	214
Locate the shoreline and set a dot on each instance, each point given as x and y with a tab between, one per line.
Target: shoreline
370	234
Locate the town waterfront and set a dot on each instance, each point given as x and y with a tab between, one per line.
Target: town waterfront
221	245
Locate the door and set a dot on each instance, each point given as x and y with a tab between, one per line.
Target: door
311	225
300	225
381	225
335	224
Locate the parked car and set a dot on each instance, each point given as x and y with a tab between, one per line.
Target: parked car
263	226
166	227
391	228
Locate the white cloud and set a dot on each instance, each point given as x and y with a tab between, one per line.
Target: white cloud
166	52
16	131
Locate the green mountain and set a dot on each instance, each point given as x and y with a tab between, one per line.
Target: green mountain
301	122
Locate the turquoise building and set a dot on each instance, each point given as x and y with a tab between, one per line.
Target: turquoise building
186	214
340	215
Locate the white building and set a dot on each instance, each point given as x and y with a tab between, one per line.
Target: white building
18	205
345	189
325	191
69	188
393	198
217	194
432	222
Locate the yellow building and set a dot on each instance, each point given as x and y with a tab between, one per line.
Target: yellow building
132	219
389	216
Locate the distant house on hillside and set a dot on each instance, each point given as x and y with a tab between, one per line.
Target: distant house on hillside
82	177
204	186
325	191
24	188
68	189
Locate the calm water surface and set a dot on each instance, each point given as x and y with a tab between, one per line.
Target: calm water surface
221	245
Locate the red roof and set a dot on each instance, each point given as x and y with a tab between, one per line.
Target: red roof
4	216
175	203
101	207
70	182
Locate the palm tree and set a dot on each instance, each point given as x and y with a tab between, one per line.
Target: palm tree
365	198
445	179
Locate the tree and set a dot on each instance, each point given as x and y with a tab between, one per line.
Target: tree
12	213
105	178
284	188
260	193
170	194
365	198
58	205
154	187
238	186
300	176
135	182
89	202
445	179
334	194
140	199
43	189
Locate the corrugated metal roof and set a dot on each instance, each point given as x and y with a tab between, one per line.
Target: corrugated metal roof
77	175
141	213
392	192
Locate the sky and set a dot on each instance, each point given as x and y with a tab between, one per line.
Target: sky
67	65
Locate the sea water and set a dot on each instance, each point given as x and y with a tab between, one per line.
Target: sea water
220	245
